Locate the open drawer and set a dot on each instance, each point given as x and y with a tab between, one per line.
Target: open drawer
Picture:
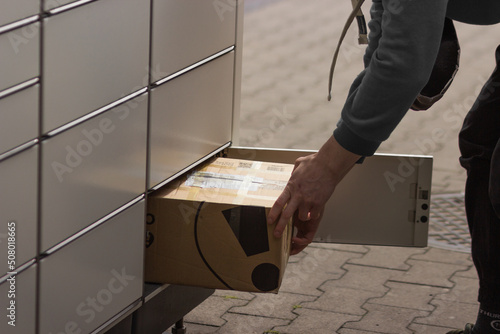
383	201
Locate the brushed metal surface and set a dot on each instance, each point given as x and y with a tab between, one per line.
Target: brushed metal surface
377	203
190	117
51	4
90	280
18	204
19	52
18	118
13	10
185	32
94	54
92	169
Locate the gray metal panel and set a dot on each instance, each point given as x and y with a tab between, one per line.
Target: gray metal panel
92	169
18	184
25	301
18	118
238	75
187	31
19	51
13	10
378	203
50	4
190	117
94	55
375	204
422	202
93	278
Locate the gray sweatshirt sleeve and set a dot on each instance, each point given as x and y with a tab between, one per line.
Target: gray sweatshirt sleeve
404	40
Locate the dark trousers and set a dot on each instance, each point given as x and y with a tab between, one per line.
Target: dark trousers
479	142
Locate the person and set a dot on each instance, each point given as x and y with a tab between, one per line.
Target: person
404	40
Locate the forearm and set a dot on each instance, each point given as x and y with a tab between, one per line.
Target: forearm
404	41
337	159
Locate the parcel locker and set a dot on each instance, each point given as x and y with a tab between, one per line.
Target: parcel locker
84	111
131	94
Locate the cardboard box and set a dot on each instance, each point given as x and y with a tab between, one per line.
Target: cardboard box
209	228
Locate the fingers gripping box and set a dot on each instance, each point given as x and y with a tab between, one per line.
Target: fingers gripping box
209	228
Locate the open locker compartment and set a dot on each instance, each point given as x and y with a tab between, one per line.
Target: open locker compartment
383	201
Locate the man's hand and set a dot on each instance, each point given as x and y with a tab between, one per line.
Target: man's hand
312	183
310	186
305	233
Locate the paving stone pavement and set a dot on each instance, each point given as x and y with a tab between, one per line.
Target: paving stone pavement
352	289
347	289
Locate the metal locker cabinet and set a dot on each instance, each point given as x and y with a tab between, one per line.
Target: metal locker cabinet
88	132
